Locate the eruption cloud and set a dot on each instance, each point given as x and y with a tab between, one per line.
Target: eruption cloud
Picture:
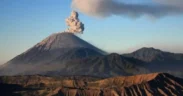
106	8
75	26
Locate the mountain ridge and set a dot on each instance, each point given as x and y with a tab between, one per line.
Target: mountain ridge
151	54
159	61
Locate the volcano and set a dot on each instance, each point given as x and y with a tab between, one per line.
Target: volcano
50	53
54	46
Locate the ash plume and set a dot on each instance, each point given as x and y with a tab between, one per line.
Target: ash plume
106	8
75	26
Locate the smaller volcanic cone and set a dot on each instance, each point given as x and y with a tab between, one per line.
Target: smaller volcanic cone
75	26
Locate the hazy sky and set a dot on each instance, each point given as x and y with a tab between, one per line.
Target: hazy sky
23	23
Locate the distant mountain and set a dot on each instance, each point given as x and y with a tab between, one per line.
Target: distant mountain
156	84
159	61
55	49
152	54
103	66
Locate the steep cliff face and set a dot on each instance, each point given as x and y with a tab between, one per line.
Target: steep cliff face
157	84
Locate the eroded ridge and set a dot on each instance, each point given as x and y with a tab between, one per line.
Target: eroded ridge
156	84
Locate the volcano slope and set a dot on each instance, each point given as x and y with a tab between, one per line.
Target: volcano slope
50	54
156	84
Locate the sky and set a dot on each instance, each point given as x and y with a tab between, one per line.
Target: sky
24	23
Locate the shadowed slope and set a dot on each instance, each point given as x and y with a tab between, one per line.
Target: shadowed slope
103	66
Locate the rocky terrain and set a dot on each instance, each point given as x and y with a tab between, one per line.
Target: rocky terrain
156	84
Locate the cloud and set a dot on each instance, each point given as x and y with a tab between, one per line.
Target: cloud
174	3
106	8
